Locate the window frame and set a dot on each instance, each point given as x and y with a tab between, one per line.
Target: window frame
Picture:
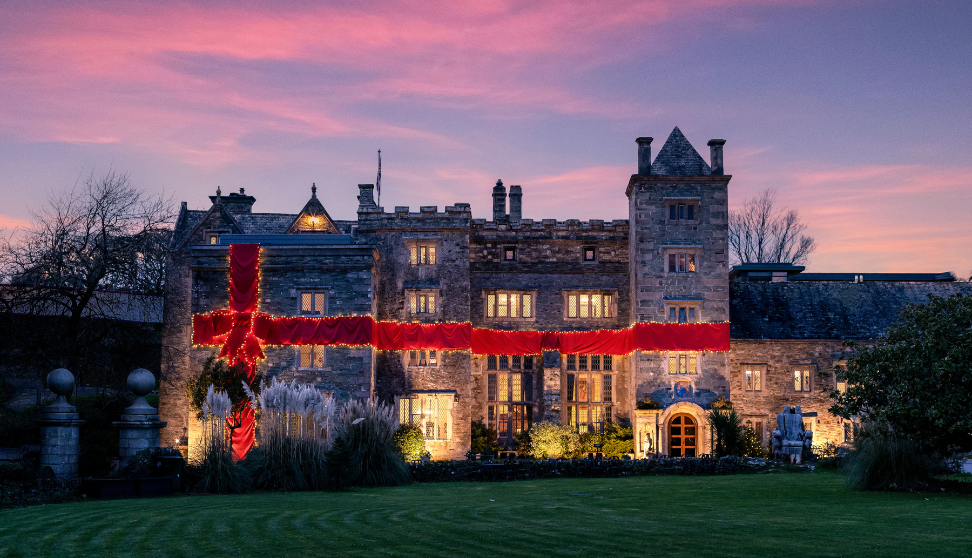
685	260
594	409
507	252
683	360
691	308
753	377
608	304
493	296
681	217
431	254
416	296
312	351
805	386
422	358
404	405
316	294
584	253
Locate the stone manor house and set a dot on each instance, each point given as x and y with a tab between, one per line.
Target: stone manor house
668	262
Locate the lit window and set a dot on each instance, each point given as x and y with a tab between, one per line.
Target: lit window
431	413
681	262
313	303
589	395
681	212
590	305
683	313
213	239
683	363
422	254
510	394
423	358
510	304
509	253
311	357
801	379
590	254
754	377
421	302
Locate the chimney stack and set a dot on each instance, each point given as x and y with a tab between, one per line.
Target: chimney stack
499	201
644	156
366	195
516	203
715	156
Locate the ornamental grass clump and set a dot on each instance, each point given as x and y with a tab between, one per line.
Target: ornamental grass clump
218	473
364	453
883	460
292	438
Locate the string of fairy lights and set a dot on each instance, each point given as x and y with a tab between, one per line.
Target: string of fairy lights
221	339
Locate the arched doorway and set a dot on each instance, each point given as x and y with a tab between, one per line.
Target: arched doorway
682	436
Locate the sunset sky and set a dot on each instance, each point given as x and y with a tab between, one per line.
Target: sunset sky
858	112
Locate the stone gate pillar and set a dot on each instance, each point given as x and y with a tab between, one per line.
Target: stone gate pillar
139	426
59	431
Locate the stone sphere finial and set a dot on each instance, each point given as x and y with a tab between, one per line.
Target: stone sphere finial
61	381
141	382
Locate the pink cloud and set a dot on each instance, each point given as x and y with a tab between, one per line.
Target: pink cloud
871	218
82	73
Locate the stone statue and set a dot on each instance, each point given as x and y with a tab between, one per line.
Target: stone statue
790	440
649	443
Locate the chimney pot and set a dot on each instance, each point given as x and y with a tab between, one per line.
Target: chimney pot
715	156
499	201
644	156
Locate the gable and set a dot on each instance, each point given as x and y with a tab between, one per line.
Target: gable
313	218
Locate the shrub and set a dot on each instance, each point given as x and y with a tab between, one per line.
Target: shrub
728	431
617	441
546	439
364	453
881	460
752	445
140	464
484	439
824	450
410	442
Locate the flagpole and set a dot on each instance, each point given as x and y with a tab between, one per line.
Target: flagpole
378	180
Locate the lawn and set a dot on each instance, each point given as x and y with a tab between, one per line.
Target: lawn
808	514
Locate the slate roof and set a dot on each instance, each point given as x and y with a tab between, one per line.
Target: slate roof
678	158
826	309
265	223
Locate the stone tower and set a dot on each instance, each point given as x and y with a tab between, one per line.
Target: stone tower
678	213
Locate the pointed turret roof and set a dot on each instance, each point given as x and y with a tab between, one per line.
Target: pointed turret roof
313	218
678	158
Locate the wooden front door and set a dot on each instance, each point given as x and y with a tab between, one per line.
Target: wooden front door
682	435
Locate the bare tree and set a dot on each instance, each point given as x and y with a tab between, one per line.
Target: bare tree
74	282
761	232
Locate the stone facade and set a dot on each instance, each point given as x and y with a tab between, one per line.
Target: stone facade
667	262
